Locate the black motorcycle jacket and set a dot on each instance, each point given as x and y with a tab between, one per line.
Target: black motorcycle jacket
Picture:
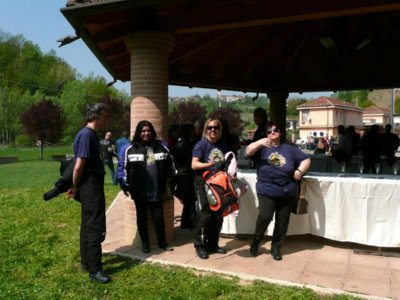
132	168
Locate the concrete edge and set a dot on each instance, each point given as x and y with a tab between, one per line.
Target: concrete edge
247	277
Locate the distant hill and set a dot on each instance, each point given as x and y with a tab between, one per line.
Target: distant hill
382	98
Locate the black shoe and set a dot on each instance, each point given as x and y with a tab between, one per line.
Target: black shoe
145	248
276	253
166	247
84	268
202	253
254	247
100	276
217	250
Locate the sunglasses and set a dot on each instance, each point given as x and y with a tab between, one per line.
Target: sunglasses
213	127
274	129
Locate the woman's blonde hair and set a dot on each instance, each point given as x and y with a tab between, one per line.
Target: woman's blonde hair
215	120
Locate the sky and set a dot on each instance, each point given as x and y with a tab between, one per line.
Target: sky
42	23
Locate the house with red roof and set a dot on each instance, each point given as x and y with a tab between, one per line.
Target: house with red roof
320	117
376	115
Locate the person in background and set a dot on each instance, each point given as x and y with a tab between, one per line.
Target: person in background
344	140
390	143
198	130
208	154
354	140
88	187
144	167
184	188
261	120
173	135
108	153
279	168
230	139
371	147
123	140
342	150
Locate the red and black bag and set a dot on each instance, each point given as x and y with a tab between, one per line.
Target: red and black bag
220	192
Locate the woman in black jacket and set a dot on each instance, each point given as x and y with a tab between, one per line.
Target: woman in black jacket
143	169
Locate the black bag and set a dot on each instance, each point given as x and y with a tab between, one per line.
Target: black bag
63	184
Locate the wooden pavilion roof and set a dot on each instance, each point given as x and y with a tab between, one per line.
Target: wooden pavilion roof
253	45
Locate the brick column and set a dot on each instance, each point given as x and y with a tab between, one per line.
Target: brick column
149	78
149	88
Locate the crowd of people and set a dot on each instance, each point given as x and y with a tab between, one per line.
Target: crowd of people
150	170
374	145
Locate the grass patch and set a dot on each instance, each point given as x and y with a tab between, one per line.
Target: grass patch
40	252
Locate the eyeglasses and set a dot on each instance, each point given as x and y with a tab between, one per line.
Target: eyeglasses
273	129
213	127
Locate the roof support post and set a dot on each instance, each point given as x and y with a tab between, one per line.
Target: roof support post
149	89
149	78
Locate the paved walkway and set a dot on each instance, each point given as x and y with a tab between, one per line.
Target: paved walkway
323	265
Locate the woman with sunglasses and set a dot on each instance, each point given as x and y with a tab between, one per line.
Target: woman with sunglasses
207	154
143	169
279	168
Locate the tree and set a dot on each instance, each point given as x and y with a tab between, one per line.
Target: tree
44	122
292	104
347	96
27	76
232	116
119	115
187	112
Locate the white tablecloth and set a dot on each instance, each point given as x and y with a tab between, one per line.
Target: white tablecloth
355	209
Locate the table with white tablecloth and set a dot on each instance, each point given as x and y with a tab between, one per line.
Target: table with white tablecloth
361	209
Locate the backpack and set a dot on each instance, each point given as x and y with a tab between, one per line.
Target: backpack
220	192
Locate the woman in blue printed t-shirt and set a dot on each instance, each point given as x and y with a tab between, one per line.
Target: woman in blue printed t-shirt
279	168
207	154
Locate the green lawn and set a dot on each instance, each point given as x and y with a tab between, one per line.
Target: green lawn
39	252
33	153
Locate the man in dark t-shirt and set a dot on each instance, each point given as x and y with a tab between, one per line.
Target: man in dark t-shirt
88	187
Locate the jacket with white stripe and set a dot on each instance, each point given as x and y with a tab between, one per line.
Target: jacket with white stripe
132	168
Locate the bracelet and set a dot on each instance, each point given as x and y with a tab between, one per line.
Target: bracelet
301	172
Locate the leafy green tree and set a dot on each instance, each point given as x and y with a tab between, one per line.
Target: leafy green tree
347	96
210	104
43	122
261	101
27	76
73	101
54	73
292	104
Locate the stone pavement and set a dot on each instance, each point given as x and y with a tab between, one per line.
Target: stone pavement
323	265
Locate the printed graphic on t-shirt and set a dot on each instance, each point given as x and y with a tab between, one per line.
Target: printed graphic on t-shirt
276	159
150	158
216	155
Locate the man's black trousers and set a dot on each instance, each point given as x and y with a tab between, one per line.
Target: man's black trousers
93	220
